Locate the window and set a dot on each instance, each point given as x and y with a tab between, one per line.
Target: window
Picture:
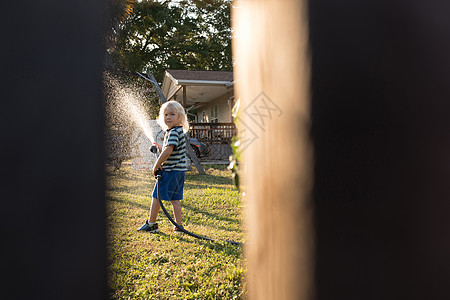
232	108
214	115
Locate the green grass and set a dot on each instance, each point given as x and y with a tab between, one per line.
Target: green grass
169	265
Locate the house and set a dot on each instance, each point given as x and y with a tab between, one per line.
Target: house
208	97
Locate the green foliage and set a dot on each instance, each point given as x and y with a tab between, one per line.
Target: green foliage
118	11
235	158
191	35
169	265
118	87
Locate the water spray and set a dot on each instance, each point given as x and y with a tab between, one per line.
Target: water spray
137	114
125	107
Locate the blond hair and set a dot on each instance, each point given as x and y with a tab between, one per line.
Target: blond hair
179	109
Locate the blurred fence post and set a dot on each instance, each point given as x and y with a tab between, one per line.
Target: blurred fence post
52	149
272	83
345	109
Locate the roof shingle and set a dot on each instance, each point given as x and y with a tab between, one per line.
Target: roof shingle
201	75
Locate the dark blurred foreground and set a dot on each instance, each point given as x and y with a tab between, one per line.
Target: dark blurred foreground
381	129
52	224
381	133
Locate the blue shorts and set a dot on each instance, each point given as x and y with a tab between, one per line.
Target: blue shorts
172	183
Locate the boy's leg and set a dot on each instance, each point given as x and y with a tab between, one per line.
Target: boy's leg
151	225
177	210
154	210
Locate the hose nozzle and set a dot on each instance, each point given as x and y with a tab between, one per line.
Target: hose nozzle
153	149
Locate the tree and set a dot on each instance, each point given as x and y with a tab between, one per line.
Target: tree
184	34
118	11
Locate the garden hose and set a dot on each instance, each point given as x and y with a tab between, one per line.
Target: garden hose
180	228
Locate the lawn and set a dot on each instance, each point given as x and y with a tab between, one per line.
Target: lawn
168	265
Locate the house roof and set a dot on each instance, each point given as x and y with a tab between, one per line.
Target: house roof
201	86
201	75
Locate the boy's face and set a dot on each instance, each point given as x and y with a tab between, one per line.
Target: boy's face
171	117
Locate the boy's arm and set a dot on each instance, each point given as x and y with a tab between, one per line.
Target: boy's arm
162	158
158	146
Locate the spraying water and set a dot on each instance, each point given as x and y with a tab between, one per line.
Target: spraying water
128	108
125	105
139	116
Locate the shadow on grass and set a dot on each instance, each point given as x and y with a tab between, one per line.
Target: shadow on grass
216	245
136	190
127	175
215	179
184	206
213	216
128	202
192	186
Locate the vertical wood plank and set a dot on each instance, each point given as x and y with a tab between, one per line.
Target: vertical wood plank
272	79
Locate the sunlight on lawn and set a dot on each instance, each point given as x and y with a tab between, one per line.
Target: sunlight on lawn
169	265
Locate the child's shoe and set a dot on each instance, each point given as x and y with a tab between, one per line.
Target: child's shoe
176	230
149	228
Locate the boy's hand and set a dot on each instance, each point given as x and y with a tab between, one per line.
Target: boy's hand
155	169
158	146
162	158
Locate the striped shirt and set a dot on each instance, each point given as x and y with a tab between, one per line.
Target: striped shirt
177	161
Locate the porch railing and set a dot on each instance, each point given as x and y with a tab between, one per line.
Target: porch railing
215	140
213	133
